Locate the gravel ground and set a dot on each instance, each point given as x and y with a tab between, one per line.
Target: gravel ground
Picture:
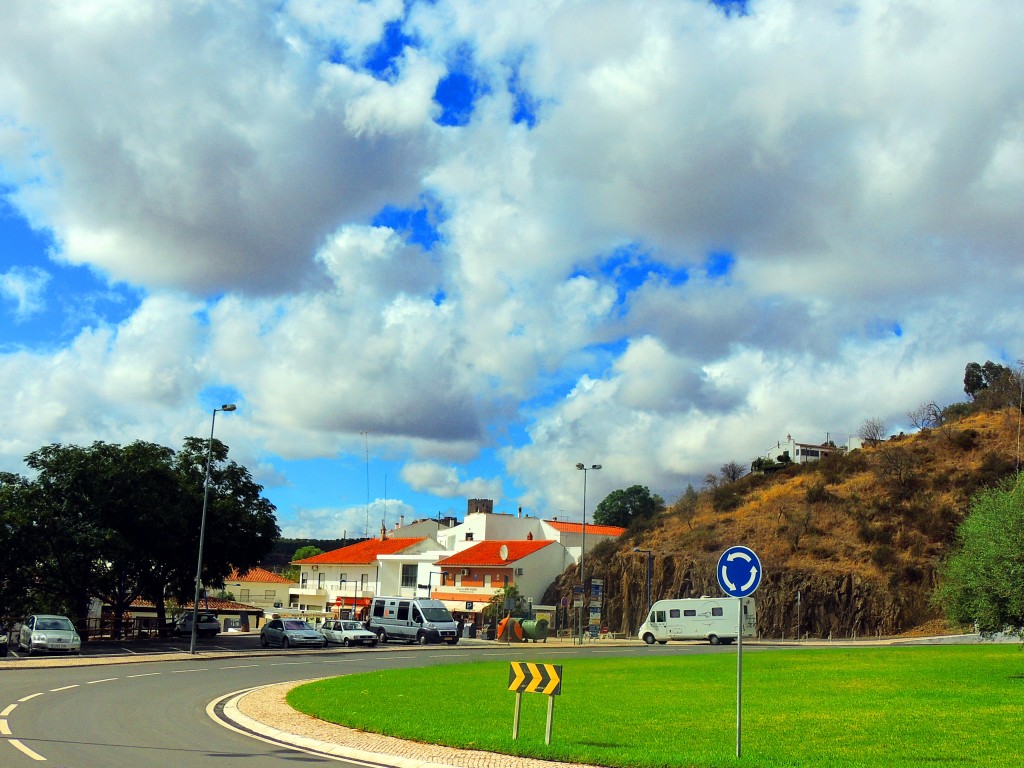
268	706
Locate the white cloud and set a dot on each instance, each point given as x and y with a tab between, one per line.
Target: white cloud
859	162
25	288
446	482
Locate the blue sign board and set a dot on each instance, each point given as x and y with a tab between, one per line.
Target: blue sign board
739	572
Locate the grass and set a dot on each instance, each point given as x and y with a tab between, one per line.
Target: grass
862	707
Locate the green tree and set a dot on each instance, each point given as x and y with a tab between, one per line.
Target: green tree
982	581
120	522
625	505
292	571
20	550
507	600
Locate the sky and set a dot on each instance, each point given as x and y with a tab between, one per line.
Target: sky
448	249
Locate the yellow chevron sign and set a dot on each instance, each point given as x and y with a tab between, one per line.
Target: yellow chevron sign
527	677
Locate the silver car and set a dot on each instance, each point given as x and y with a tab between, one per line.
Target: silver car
289	633
44	633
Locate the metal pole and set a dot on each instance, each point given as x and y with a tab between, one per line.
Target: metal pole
515	719
583	552
202	526
551	717
650	568
739	677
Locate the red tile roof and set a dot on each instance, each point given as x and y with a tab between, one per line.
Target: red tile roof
489	552
597	530
259	575
360	553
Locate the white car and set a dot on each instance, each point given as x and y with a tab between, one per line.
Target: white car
207	626
49	634
347	632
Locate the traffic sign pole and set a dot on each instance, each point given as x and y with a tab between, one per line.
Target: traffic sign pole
739	575
739	676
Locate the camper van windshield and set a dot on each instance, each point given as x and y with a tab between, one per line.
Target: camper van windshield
437	614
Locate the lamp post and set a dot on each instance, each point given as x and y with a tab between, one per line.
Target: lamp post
202	524
649	568
583	542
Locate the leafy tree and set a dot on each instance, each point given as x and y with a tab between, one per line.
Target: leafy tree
686	505
625	505
119	522
19	550
308	551
982	581
507	600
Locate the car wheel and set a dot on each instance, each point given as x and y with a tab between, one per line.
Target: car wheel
714	639
382	636
649	638
263	641
662	642
284	642
421	638
346	642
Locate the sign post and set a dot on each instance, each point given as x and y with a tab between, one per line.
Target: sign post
739	575
534	678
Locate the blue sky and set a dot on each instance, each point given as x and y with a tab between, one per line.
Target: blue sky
437	251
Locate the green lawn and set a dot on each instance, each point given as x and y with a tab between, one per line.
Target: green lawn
884	707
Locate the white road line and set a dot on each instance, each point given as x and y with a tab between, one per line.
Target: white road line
241	666
189	671
8	710
30	696
63	688
25	750
104	680
147	674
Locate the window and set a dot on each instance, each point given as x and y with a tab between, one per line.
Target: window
469	535
689	612
716	612
269	594
409	575
673	613
243	595
320	577
303	580
403	611
378	609
487	579
362	582
659	616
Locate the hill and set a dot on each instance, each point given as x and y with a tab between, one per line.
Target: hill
850	545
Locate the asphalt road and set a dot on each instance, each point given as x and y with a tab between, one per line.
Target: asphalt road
152	714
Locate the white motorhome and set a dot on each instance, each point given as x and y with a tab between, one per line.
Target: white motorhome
413	620
698	618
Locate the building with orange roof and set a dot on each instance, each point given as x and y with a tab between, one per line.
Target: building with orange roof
471	577
344	580
260	587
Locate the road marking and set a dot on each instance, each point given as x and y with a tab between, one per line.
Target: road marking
8	710
147	674
104	680
189	671
65	688
25	750
5	729
30	696
129	650
241	666
289	663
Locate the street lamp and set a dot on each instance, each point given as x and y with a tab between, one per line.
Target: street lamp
202	524
583	543
649	568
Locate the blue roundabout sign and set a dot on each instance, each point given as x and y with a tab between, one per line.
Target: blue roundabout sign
739	572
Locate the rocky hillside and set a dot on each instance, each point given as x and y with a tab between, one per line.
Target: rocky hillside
858	535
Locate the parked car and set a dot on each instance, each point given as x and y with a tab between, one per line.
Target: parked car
289	633
3	643
347	632
45	633
207	626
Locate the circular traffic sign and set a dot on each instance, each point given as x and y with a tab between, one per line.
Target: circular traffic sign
739	571
337	600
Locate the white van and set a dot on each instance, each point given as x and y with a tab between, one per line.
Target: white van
698	618
413	620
